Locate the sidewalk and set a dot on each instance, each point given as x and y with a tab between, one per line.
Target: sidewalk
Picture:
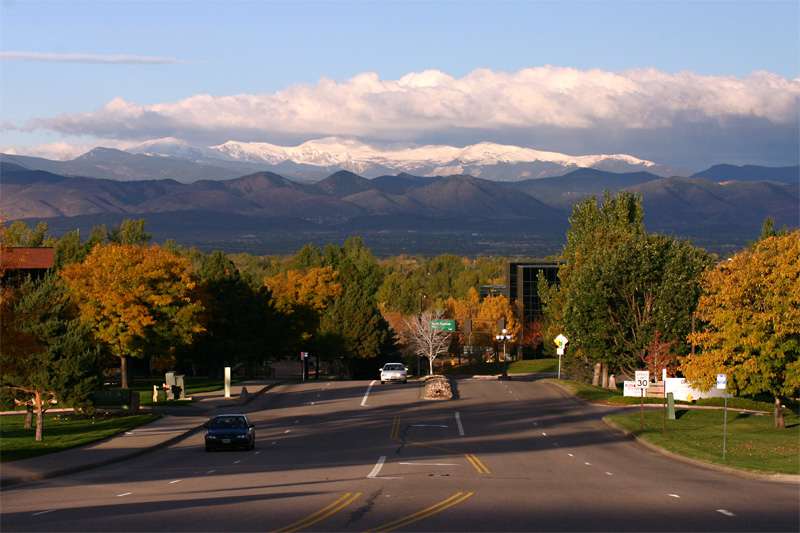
176	424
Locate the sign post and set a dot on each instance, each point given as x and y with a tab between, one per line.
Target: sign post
561	344
642	383
722	383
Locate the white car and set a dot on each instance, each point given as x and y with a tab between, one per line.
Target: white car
394	372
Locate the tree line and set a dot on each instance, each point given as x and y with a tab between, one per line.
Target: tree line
626	299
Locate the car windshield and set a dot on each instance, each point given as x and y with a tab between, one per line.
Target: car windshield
393	367
228	423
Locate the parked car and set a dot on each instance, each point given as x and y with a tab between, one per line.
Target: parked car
394	372
229	431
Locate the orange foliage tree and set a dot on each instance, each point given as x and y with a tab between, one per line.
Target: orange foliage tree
303	296
137	301
751	316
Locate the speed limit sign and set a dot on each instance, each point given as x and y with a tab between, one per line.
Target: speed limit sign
642	379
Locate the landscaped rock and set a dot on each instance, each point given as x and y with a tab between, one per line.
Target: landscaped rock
437	388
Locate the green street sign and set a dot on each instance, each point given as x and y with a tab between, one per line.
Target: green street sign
443	325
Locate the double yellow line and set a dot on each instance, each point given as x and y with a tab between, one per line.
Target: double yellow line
322	514
395	435
425	513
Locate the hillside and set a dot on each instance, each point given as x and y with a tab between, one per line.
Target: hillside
459	213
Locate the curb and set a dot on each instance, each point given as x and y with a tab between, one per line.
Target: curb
747	474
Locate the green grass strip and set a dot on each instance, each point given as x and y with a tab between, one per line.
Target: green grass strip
61	432
751	440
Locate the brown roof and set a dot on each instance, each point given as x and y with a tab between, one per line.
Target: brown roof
27	258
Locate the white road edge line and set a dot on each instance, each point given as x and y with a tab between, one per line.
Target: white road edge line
366	394
725	512
43	512
673	495
176	481
124	494
458	421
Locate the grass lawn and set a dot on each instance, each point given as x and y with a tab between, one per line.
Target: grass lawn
752	442
517	367
62	431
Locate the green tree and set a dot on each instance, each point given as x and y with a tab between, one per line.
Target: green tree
137	301
130	232
751	316
46	354
242	325
19	234
352	327
620	285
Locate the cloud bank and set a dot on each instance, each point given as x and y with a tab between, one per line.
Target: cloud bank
632	112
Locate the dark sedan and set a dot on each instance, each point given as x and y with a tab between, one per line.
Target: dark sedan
229	431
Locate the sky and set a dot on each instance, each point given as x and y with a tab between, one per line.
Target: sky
688	84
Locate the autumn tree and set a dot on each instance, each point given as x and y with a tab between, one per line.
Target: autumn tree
463	310
137	301
750	316
427	341
302	298
46	355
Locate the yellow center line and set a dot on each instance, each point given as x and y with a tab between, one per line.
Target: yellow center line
322	514
395	435
425	513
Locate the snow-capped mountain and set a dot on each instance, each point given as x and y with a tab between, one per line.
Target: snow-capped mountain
486	160
170	146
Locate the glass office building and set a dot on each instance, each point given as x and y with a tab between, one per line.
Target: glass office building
522	281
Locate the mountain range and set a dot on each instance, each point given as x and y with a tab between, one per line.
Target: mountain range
314	160
264	211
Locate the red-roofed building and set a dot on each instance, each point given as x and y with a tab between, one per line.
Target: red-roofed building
18	263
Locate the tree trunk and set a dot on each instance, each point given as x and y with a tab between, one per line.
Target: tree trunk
123	369
39	419
28	417
604	377
780	423
596	376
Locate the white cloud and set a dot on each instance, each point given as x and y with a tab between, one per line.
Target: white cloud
38	57
539	102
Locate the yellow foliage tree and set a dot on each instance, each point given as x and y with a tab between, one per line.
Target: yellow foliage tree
137	301
304	295
751	312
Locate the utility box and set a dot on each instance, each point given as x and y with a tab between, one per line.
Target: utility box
169	385
180	387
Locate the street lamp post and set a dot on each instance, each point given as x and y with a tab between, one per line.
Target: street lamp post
504	336
419	358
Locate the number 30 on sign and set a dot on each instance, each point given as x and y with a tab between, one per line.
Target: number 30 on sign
642	379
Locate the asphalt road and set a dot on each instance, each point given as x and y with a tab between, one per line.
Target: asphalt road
355	456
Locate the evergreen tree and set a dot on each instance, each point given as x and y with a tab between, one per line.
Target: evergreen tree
46	354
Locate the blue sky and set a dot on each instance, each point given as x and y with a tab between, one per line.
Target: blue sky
588	77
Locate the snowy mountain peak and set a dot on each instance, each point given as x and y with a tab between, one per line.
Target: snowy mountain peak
178	148
485	159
